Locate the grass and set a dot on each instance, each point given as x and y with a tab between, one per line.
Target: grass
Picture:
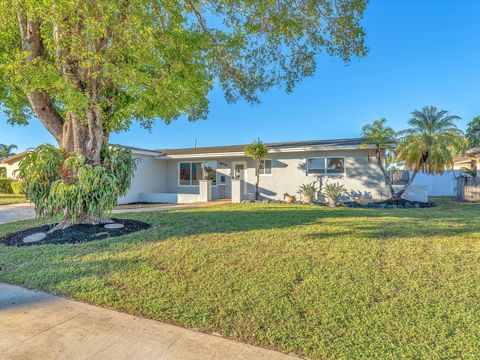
6	199
322	283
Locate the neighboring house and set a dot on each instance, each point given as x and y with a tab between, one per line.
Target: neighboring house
463	163
173	175
9	165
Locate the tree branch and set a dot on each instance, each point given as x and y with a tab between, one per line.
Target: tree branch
39	99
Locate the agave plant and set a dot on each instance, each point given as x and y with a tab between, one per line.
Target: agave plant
309	191
333	192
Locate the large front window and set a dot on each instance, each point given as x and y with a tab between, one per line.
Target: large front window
325	166
189	173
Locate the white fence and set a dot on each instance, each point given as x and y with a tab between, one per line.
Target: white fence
439	185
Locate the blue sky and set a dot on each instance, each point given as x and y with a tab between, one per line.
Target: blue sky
421	53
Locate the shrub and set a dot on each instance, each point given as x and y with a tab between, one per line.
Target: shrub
6	186
333	192
308	190
18	187
64	184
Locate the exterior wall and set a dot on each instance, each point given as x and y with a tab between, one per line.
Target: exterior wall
361	177
218	191
11	169
150	177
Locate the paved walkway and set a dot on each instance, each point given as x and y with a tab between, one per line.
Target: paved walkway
15	212
36	325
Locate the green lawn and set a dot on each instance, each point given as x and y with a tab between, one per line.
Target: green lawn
320	282
6	199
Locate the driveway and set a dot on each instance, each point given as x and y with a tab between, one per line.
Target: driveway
15	212
36	325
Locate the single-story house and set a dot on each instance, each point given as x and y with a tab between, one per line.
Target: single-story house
175	175
9	165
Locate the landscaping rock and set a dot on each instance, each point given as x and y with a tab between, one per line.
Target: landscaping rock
114	226
34	237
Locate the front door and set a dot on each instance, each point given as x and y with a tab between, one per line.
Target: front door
240	173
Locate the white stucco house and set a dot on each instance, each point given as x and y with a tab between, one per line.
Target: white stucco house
9	166
224	172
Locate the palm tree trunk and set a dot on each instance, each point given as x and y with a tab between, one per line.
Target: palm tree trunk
386	175
399	194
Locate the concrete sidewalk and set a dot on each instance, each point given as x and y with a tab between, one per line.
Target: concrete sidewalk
36	325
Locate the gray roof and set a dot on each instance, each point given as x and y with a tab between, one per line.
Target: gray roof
271	146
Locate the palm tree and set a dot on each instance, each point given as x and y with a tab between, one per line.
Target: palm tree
6	150
429	142
473	132
257	151
383	138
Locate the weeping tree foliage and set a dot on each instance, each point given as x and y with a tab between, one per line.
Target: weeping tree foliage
383	138
86	69
257	151
429	143
59	182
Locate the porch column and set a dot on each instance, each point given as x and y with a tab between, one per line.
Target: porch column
205	188
237	190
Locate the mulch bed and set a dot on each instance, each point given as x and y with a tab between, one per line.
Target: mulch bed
395	204
74	234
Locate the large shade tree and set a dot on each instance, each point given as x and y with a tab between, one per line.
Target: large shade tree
382	138
429	143
86	69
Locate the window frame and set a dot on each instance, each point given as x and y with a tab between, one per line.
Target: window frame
201	167
325	172
271	167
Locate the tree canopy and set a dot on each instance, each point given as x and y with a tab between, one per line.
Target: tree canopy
430	141
7	150
473	132
100	65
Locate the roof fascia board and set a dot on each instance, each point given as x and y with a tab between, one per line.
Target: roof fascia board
270	151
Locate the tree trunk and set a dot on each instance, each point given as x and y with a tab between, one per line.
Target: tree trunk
75	133
257	169
386	175
399	194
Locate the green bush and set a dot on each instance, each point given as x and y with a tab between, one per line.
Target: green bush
6	186
65	184
18	187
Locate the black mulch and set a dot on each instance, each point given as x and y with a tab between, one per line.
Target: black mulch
74	234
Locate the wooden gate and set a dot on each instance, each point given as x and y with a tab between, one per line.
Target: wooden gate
468	189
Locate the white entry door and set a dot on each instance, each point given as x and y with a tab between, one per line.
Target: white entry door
239	172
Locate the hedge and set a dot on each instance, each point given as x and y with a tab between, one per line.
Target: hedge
6	186
18	187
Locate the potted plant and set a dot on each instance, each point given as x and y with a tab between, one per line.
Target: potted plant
289	199
333	192
308	191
